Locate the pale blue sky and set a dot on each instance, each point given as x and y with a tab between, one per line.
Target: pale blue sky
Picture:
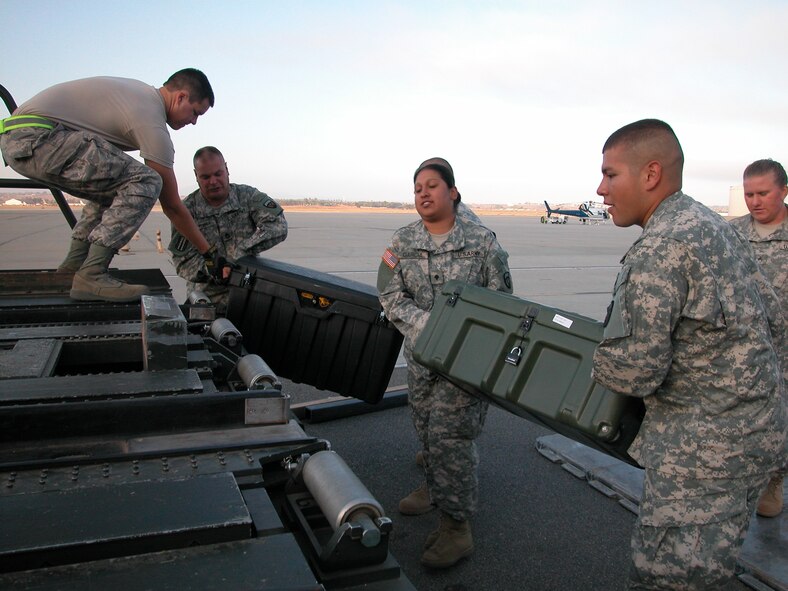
344	99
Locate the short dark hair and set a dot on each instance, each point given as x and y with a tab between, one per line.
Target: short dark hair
645	129
765	166
194	82
204	151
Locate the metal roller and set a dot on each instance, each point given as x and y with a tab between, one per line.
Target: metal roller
225	332
255	372
198	297
341	495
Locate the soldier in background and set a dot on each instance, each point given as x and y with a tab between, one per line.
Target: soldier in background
689	332
766	228
238	219
74	135
443	245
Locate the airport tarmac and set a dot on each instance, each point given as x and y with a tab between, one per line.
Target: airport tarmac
539	526
570	266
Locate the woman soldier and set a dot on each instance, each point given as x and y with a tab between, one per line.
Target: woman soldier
448	242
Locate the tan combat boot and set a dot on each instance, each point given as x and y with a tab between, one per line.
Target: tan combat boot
418	502
453	543
432	537
93	282
771	501
77	253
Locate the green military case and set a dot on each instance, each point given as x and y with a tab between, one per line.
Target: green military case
530	359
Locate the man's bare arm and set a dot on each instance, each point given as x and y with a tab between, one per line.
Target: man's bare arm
175	210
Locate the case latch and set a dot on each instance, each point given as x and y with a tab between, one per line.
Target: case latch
528	321
248	279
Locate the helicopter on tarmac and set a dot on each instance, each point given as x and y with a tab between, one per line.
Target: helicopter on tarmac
585	212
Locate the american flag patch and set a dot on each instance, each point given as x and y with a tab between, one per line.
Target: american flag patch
390	258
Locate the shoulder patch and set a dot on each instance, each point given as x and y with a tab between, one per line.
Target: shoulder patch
261	199
178	244
390	258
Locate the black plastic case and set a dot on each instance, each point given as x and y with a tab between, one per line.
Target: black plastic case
314	328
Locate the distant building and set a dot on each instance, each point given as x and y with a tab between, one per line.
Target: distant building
13	202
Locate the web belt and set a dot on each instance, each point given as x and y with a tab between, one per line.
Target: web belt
19	121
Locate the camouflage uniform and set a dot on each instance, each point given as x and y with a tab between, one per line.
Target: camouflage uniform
465	213
447	419
689	331
97	119
772	254
247	223
120	190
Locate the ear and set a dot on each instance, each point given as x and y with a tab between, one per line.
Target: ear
453	193
181	96
652	174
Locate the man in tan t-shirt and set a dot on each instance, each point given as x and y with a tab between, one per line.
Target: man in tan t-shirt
74	136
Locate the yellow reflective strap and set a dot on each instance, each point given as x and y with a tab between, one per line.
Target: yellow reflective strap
18	121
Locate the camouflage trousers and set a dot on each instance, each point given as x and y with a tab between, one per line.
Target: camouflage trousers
447	421
120	190
689	531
